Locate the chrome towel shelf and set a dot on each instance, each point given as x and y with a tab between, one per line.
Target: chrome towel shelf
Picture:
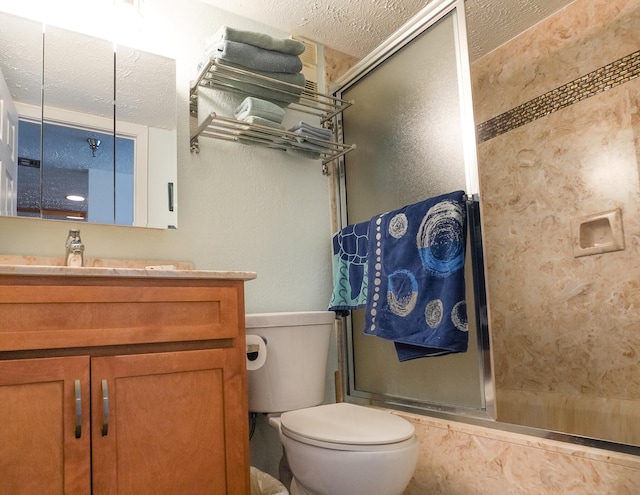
218	127
217	75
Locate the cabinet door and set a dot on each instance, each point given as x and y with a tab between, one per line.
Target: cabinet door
44	426
160	424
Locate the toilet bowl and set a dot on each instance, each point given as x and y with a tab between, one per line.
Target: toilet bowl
331	449
348	449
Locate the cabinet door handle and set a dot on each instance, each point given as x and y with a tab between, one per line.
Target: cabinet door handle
105	408
78	409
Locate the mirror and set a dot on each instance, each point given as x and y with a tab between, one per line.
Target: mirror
102	128
70	120
146	101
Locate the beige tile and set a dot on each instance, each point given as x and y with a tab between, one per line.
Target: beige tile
457	459
582	37
563	328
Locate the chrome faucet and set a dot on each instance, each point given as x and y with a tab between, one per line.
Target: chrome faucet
74	249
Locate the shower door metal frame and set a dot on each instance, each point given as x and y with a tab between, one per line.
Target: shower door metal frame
426	18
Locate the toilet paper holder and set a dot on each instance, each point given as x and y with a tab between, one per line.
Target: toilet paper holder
256	350
252	351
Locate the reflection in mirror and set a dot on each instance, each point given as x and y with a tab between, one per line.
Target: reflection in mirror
88	62
20	81
78	73
146	113
77	168
84	87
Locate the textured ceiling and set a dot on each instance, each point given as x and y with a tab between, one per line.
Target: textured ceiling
356	27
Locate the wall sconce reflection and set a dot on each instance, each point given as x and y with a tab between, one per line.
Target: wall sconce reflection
94	144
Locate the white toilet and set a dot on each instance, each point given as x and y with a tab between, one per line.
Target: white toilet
332	449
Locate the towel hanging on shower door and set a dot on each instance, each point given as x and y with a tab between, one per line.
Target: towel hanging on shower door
416	295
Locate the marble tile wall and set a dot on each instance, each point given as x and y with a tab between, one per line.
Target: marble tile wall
458	459
336	64
564	328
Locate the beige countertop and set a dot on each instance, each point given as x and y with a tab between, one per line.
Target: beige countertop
39	266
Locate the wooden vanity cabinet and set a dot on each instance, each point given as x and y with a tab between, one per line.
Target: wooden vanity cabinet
132	386
39	451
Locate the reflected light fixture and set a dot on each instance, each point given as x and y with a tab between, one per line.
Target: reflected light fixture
93	145
75	197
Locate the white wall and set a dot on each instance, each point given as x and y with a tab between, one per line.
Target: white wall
240	208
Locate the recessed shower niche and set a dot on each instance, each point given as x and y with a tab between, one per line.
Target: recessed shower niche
598	233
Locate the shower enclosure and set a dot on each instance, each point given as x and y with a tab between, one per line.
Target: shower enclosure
413	127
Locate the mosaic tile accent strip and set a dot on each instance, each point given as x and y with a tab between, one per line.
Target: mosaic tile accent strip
591	84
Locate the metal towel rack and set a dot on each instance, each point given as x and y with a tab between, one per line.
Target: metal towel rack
217	75
218	127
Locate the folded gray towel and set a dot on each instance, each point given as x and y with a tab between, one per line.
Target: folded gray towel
310	155
256	107
296	79
282	94
247	89
260	40
304	142
311	131
255	58
254	119
254	136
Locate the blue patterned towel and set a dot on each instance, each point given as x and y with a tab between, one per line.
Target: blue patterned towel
350	268
416	277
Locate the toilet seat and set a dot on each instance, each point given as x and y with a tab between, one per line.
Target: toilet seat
345	426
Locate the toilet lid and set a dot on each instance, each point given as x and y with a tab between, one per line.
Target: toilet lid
344	423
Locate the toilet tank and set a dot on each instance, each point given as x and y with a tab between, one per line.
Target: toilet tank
293	375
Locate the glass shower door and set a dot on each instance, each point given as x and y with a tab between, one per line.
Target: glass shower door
411	122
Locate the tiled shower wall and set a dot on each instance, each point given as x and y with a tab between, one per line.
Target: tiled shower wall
559	128
565	333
